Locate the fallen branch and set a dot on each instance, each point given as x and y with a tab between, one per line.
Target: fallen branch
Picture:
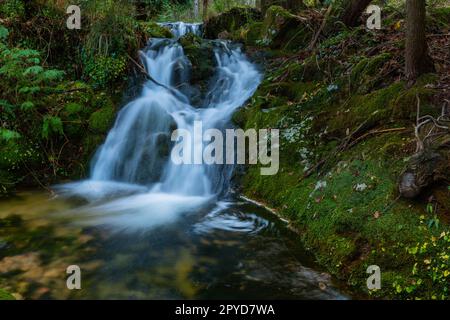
149	77
373	132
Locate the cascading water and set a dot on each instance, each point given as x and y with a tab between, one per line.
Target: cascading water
203	247
180	28
135	159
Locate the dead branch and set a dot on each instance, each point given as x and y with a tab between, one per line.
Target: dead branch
322	26
429	128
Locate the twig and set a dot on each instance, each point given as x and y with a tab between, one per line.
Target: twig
322	26
142	69
439	123
374	132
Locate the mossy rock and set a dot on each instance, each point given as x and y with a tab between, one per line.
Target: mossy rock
102	120
200	53
249	34
153	30
365	74
230	21
283	30
395	103
405	105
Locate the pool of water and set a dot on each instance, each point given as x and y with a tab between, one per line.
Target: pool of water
233	249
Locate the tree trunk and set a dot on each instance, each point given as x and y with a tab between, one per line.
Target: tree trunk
205	10
353	11
417	59
196	5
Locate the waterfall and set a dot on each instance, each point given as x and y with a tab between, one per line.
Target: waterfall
180	29
132	177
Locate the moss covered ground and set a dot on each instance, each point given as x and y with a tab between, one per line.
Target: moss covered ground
346	119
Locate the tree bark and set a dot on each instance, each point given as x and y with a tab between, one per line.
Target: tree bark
205	10
196	6
353	11
417	58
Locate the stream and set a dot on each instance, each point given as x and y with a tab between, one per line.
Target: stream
142	227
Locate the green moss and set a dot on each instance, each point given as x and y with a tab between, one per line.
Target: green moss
366	74
349	216
153	30
201	55
348	228
249	34
5	295
230	21
101	120
281	29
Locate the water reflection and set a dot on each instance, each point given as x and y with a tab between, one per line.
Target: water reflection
234	250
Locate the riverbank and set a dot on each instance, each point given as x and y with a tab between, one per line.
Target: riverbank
348	135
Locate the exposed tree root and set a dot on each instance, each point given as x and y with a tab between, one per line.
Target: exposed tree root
431	162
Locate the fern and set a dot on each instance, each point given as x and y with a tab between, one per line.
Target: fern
3	33
7	135
27	105
52	125
34	70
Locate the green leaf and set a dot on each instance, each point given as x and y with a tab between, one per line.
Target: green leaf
3	33
27	105
52	125
6	296
52	75
33	70
6	105
8	135
25	90
73	108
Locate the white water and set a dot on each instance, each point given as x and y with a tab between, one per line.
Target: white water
180	28
134	183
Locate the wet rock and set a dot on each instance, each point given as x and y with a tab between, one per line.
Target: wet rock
154	30
282	29
200	53
424	169
230	21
